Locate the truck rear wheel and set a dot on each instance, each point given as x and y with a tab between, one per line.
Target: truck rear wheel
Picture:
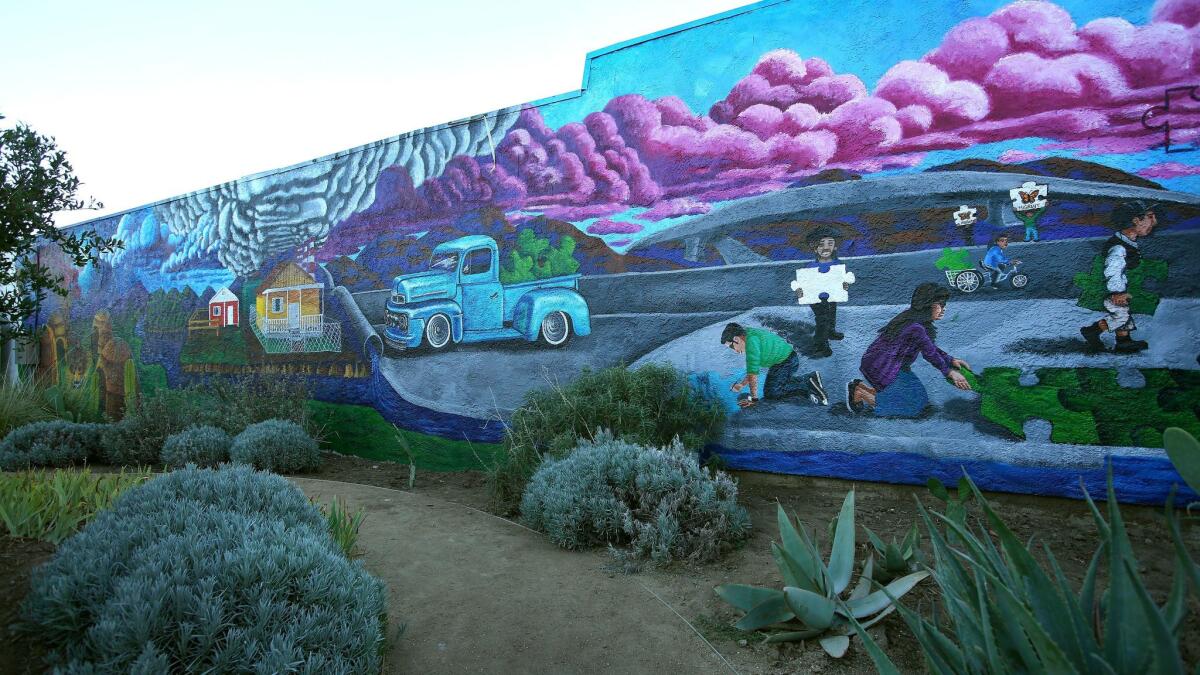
437	332
556	329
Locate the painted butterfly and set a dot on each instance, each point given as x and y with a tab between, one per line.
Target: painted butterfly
1029	197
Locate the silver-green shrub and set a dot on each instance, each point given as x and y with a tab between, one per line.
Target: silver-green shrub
200	445
657	503
207	570
276	445
53	443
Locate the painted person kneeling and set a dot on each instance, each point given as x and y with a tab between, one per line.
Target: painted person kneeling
891	389
764	349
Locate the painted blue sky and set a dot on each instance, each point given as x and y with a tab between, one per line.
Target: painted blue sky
865	38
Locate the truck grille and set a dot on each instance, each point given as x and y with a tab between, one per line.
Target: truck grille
398	321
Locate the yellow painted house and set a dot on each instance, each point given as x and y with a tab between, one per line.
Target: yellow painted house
289	301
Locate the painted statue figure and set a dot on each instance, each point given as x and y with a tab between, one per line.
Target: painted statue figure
823	242
890	388
764	349
1134	220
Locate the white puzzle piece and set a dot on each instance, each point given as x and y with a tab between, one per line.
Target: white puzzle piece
965	216
814	282
1029	197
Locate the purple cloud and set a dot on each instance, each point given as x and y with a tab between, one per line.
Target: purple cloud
673	208
1024	71
605	226
1170	170
1019	156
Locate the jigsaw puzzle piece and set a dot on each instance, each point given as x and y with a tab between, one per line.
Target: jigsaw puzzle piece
1095	289
1128	416
822	285
954	259
1182	394
1005	401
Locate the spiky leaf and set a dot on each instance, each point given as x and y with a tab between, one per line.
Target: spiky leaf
816	611
835	645
746	597
771	610
841	556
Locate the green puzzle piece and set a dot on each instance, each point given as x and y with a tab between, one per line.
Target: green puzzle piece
1005	401
1182	393
954	259
1127	416
1144	301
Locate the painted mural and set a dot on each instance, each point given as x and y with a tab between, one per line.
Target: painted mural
895	241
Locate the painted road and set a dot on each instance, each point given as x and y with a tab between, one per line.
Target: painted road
1026	334
892	193
487	380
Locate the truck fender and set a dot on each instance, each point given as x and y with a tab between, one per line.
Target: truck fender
423	311
533	307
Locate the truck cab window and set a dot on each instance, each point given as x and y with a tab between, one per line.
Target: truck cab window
444	262
478	261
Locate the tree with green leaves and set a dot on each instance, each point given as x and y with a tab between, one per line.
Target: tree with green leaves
36	181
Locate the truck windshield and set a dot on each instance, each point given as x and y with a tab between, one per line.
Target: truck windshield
443	262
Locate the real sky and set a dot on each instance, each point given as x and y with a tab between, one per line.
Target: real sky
154	99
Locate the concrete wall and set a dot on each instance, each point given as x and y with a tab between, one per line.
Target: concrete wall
688	184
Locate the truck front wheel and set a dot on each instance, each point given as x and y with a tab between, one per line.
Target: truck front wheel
437	332
556	329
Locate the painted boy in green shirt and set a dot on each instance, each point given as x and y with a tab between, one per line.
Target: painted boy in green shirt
764	349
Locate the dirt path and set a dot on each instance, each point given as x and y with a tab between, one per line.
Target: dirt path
480	594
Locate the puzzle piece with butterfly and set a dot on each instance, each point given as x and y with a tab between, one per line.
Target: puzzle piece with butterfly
1029	197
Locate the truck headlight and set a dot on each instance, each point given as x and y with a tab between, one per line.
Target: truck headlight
397	298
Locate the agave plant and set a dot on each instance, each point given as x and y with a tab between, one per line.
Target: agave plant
894	559
956	505
1010	614
1184	451
811	605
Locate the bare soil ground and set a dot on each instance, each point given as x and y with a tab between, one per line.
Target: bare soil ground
1066	525
889	510
18	557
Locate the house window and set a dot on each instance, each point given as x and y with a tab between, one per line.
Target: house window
276	305
216	310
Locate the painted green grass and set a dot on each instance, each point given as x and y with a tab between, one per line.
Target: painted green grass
361	431
207	346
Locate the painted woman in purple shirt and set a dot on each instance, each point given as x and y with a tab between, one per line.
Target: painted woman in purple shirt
891	389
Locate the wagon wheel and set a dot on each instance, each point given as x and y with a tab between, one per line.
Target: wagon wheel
968	281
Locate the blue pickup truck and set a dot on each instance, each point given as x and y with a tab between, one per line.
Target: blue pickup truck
459	298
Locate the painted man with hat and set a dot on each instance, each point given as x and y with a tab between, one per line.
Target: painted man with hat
1134	221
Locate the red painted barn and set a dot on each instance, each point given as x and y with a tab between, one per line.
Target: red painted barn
223	309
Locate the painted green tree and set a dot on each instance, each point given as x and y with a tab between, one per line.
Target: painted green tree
534	258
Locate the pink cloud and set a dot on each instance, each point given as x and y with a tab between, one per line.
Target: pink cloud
1170	170
1183	12
673	208
1024	71
952	102
1019	156
605	226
